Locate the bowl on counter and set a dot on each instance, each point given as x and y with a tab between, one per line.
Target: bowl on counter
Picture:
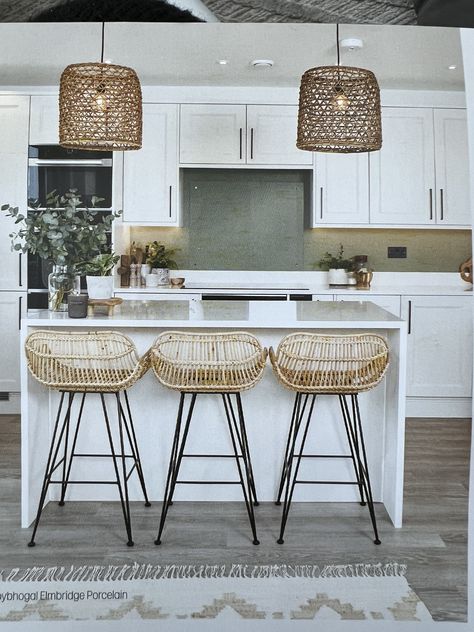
177	282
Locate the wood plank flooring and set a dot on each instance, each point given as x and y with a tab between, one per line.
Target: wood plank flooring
433	541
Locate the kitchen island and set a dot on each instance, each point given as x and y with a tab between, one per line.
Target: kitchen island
267	406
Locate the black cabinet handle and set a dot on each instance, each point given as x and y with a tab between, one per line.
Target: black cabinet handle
431	203
251	143
170	202
441	197
241	131
20	301
321	202
20	280
409	317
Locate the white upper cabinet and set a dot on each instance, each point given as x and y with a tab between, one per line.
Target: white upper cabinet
402	178
150	175
341	189
220	134
14	111
212	134
44	120
453	205
271	136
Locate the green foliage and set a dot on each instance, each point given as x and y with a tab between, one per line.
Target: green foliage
65	232
158	256
338	262
100	265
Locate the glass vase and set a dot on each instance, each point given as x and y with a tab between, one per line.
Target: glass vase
62	281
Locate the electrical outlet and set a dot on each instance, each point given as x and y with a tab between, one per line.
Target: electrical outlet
397	252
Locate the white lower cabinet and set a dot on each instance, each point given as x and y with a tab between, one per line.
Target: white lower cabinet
389	302
439	345
12	309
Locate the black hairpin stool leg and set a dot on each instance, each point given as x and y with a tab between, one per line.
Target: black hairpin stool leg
122	486
245	474
363	465
52	463
290	477
132	440
296	417
176	457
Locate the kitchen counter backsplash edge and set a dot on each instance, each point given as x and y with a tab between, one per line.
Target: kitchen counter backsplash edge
307	282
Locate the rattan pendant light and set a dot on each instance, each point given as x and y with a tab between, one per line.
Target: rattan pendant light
339	109
100	106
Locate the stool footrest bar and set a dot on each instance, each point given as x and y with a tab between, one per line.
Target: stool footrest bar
327	482
208	482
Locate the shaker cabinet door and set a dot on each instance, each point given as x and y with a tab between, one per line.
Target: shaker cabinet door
212	134
271	136
14	111
150	175
453	204
439	345
341	191
12	309
402	178
44	120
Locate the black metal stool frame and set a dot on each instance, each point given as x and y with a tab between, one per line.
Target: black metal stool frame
241	454
355	437
60	438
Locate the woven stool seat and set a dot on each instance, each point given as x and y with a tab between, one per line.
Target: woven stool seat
339	364
222	362
105	361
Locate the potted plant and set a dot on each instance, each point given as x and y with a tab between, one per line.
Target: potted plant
160	259
64	233
98	272
337	266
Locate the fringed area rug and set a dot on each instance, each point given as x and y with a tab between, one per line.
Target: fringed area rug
174	592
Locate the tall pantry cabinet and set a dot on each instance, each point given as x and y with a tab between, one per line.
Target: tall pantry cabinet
14	116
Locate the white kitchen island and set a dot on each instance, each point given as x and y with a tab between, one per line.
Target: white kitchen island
267	407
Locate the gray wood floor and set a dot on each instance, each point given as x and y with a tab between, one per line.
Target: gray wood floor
433	541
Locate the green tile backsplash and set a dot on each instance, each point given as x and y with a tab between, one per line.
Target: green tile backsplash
255	220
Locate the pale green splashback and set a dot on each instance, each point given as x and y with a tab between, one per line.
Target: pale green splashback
256	219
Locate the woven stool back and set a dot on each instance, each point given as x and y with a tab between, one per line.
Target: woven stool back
315	363
105	361
218	362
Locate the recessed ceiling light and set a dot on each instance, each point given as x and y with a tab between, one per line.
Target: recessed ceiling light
222	62
452	67
261	63
352	43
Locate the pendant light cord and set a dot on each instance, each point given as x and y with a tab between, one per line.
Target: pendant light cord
337	43
102	46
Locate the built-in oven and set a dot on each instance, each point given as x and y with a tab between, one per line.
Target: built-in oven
54	168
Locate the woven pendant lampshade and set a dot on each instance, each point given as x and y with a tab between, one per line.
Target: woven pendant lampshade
100	107
339	110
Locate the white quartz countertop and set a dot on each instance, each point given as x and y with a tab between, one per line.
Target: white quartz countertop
264	289
226	314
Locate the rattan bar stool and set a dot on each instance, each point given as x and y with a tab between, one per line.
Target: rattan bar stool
220	363
77	364
343	365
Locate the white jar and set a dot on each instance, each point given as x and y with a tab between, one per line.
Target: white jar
152	280
337	276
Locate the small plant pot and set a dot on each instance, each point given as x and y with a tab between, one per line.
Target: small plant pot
337	276
163	275
100	287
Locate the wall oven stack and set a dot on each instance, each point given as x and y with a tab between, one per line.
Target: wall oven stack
53	168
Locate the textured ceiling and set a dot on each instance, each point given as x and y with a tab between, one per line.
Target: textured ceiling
348	11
